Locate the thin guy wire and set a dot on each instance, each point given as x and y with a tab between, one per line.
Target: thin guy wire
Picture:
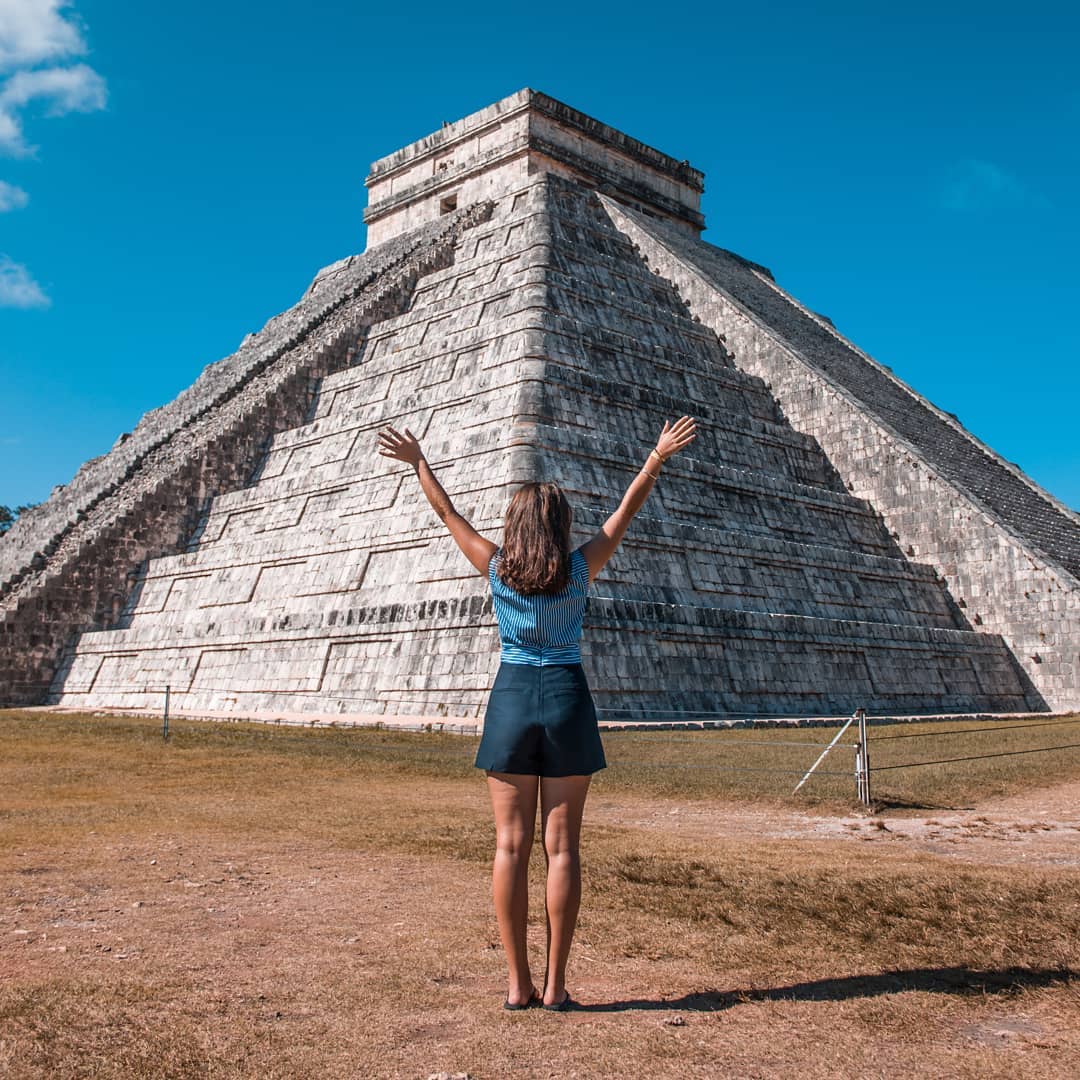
977	757
649	737
409	701
1018	726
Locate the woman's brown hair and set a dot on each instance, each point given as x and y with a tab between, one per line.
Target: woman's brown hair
536	540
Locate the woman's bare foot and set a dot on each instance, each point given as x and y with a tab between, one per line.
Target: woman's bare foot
522	996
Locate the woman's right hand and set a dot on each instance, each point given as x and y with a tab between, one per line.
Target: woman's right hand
675	437
403	447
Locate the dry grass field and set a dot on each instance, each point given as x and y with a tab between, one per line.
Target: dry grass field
254	901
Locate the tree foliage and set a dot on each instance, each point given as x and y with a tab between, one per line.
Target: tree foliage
8	517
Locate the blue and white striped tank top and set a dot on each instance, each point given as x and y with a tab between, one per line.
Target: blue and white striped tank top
540	629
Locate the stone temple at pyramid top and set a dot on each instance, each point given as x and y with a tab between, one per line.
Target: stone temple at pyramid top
494	150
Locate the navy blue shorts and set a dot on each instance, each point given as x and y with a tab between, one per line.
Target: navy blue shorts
540	720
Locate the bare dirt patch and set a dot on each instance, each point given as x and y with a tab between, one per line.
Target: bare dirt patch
1040	827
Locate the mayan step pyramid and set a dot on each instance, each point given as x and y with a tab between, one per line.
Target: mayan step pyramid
533	303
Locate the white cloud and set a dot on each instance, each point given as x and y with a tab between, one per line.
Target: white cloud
974	186
10	130
33	31
71	89
12	197
38	38
17	288
63	90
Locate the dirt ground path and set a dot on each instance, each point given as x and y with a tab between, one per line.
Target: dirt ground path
307	961
208	953
1033	828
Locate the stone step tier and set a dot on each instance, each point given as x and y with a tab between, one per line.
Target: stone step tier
225	593
644	659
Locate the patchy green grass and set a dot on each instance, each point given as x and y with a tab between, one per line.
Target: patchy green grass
994	757
769	762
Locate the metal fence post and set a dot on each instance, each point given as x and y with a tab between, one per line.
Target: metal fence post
862	762
165	718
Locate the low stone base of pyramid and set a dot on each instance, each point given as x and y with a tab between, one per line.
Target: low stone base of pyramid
473	726
646	661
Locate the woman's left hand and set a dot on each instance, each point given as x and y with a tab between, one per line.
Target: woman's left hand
676	437
403	447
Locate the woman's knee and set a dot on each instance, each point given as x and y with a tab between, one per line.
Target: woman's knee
559	850
513	844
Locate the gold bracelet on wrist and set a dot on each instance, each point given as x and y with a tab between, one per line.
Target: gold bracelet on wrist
659	455
655	476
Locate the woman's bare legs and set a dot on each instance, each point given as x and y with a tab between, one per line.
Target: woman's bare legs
562	802
513	798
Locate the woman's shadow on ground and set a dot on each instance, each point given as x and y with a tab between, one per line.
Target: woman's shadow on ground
943	980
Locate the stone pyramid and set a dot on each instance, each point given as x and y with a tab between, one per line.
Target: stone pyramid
533	303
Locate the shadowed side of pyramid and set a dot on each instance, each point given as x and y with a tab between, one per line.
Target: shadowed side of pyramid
1007	550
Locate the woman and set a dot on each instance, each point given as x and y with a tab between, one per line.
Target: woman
540	730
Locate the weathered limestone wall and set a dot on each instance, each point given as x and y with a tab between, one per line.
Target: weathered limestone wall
37	533
72	562
734	528
1008	551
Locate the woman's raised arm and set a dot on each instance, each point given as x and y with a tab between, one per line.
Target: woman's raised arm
602	546
476	548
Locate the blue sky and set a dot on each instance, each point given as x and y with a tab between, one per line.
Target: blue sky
173	175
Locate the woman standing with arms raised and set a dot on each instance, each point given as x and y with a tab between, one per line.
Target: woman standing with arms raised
540	730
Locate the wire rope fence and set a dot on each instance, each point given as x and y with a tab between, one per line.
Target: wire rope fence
639	738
